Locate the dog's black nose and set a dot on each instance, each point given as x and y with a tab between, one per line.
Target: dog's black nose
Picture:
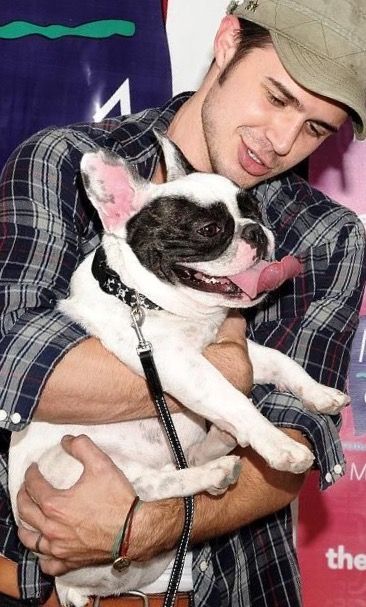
254	235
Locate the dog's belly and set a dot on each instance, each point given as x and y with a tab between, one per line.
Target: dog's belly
131	445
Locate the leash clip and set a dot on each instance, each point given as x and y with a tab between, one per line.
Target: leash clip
137	318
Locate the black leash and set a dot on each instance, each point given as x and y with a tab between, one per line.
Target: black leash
110	283
144	350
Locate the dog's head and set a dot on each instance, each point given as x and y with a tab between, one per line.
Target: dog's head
197	231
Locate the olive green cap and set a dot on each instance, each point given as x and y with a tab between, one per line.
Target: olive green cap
322	45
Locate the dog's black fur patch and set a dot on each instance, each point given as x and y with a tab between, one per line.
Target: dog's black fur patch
248	205
165	233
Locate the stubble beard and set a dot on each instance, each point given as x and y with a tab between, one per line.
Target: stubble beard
214	152
211	139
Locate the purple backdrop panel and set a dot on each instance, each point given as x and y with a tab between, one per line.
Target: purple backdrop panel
61	61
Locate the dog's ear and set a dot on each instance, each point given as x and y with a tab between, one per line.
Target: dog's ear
176	163
111	186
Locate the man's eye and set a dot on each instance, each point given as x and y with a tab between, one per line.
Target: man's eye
315	131
276	101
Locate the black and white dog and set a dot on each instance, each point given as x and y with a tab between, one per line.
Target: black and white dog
195	247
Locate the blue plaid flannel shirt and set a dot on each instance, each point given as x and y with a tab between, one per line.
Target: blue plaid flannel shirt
47	228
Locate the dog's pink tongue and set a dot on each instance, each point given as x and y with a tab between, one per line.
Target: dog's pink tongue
266	275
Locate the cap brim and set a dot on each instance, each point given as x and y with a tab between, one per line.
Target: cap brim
318	74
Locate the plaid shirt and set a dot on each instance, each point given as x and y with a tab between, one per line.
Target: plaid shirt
48	227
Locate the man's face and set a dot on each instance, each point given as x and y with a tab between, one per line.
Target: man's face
259	122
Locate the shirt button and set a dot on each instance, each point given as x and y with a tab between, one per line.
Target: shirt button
203	565
338	469
328	477
3	415
16	418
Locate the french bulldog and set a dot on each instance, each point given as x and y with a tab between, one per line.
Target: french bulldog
195	247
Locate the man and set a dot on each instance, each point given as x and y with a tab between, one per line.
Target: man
269	99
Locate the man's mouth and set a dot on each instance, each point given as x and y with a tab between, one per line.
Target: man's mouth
251	162
255	157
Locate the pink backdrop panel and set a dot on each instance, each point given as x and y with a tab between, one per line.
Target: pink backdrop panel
332	525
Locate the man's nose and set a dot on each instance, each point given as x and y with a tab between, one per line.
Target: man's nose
283	133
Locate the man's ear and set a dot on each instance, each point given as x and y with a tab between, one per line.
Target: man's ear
226	41
111	187
176	163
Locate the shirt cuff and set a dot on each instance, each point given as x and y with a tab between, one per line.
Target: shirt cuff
30	356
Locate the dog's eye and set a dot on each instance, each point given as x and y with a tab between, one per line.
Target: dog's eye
209	230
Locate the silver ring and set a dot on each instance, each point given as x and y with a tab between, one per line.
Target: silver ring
37	549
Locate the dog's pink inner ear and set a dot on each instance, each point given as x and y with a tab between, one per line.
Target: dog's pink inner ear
110	187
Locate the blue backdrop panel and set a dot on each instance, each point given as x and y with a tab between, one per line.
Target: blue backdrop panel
357	379
59	61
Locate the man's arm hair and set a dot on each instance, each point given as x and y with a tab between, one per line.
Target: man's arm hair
70	543
259	491
91	385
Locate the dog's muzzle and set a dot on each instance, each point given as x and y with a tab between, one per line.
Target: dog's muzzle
254	235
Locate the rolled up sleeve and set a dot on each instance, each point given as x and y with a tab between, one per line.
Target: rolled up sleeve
42	229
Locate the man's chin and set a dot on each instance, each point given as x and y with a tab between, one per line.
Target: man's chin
240	176
246	181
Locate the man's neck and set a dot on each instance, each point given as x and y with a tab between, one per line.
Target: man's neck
187	133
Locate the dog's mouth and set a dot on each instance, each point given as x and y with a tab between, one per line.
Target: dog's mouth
204	282
248	285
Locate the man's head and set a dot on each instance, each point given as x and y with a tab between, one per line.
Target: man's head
255	114
321	43
257	121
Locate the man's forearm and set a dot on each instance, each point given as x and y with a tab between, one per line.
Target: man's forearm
90	385
78	531
260	491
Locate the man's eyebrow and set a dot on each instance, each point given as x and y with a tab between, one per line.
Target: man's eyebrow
296	104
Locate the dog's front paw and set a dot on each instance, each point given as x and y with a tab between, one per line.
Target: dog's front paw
322	399
221	473
283	453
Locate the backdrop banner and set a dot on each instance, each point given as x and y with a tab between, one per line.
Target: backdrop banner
332	525
67	61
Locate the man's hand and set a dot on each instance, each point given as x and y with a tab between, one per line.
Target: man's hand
78	525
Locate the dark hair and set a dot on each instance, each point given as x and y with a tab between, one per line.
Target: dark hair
250	36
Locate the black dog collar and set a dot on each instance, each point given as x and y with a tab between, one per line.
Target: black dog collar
110	283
